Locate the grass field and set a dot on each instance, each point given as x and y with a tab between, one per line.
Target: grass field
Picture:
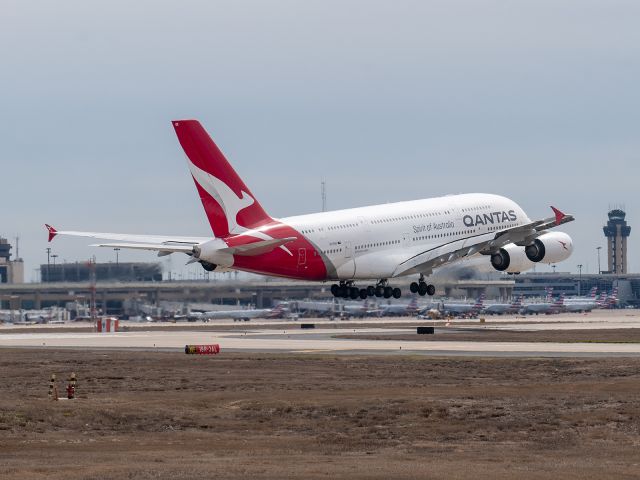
148	415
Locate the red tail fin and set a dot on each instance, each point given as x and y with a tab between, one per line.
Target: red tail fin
52	231
229	204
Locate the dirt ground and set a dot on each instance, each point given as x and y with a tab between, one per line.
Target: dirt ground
150	415
613	335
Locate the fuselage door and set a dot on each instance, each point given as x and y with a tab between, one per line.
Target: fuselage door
347	250
302	256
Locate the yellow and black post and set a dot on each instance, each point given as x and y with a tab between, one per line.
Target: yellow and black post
53	390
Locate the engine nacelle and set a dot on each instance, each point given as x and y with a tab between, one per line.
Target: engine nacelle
209	254
209	267
511	259
552	247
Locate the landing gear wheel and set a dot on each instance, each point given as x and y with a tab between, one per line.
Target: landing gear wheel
388	291
422	289
343	291
354	293
363	293
396	293
379	291
335	289
413	288
431	290
371	291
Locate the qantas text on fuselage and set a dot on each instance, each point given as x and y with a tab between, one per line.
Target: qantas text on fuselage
361	249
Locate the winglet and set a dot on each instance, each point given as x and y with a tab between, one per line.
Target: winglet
559	215
52	231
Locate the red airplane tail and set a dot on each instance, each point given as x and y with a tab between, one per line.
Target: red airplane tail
229	204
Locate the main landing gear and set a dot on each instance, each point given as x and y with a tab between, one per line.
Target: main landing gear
422	288
347	290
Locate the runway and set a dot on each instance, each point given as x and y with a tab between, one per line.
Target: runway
293	339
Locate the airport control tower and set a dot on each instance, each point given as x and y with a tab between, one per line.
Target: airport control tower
616	230
11	271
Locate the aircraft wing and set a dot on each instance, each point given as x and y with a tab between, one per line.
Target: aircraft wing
487	243
124	237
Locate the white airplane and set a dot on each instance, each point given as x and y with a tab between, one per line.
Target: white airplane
360	310
471	309
550	307
367	245
503	308
400	309
243	314
320	309
337	309
582	304
608	300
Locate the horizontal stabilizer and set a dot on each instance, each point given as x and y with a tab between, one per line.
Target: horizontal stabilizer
257	248
247	249
125	237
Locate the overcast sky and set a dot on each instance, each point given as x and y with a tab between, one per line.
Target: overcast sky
386	101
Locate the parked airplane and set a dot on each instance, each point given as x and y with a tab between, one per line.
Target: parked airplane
243	314
400	309
337	309
377	243
319	309
503	308
608	301
582	304
360	310
468	309
550	307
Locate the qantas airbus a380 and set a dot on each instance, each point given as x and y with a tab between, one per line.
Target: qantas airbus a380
375	244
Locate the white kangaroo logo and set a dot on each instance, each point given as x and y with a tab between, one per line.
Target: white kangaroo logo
230	203
228	200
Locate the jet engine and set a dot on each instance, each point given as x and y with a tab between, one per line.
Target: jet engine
208	266
511	259
552	247
211	256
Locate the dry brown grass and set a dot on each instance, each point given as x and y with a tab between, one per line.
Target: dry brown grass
457	334
148	415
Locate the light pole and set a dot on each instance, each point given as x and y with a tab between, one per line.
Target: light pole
580	281
117	249
598	249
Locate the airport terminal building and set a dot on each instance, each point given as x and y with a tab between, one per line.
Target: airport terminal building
104	272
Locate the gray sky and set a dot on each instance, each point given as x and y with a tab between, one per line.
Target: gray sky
387	101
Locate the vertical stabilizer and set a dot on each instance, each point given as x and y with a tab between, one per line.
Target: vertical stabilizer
230	206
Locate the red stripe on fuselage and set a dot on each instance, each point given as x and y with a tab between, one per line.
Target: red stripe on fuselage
304	262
